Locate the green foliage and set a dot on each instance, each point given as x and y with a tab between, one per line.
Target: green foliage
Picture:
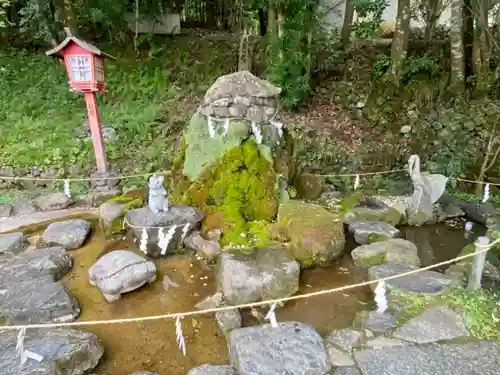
369	17
380	65
480	309
146	104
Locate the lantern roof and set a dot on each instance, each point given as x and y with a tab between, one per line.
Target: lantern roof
86	46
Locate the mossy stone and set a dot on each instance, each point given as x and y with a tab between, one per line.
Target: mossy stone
316	235
308	186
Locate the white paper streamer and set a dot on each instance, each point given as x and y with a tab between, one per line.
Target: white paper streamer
380	297
279	127
271	316
226	127
20	345
256	132
468	226
180	337
144	241
211	127
161	240
66	189
168	237
486	193
185	229
356	182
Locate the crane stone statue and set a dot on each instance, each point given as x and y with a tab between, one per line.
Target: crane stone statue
427	189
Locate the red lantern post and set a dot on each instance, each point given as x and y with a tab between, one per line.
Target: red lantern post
85	68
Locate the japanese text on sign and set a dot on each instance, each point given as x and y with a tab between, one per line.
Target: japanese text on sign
80	68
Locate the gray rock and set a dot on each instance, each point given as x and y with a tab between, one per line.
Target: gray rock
206	248
405	129
364	231
265	273
384	342
228	320
339	358
211	302
121	271
373	209
30	291
478	358
292	348
13	243
344	338
5	210
180	219
347	371
110	211
144	373
22	206
378	322
435	324
213	370
53	202
395	250
70	234
64	351
483	213
427	282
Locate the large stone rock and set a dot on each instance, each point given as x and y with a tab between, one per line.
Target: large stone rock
178	221
213	370
316	235
228	320
462	269
376	321
70	234
365	232
119	272
112	212
426	282
53	202
308	186
64	351
384	342
264	273
13	243
30	291
476	358
395	250
369	209
23	206
483	213
145	373
344	338
206	248
291	348
339	358
346	371
435	324
5	210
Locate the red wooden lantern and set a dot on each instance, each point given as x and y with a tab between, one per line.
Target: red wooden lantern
84	64
85	67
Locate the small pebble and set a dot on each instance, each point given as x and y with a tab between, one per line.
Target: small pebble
204	284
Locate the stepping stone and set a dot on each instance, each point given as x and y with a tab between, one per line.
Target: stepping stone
53	202
395	250
365	232
64	351
70	234
22	206
228	320
292	348
426	282
435	324
347	371
344	338
339	358
478	358
213	370
5	210
13	243
378	322
384	342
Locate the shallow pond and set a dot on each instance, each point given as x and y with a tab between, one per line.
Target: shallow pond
151	345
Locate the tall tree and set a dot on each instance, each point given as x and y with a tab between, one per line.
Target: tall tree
347	25
399	47
457	51
481	44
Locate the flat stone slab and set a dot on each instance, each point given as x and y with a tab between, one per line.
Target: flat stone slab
347	371
427	282
13	243
292	348
394	250
365	231
434	324
9	224
378	322
64	351
478	358
344	338
53	202
384	342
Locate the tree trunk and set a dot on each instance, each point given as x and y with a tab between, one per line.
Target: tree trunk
457	58
399	47
347	25
271	19
433	11
481	43
69	16
281	31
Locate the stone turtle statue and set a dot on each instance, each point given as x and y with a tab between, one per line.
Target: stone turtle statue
121	271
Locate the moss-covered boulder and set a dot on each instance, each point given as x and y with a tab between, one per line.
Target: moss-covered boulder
394	250
316	235
113	211
308	186
358	207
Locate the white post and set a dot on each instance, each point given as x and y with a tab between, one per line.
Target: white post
477	268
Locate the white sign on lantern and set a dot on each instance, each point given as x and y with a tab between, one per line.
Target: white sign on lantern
81	68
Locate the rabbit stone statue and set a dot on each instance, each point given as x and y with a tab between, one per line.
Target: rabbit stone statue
158	200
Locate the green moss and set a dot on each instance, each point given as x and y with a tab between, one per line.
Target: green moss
128	203
370	261
236	190
377	238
